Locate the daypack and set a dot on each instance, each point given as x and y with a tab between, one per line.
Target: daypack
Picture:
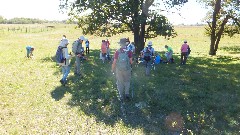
59	55
147	54
76	48
123	62
189	50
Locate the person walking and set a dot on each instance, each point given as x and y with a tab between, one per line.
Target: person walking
122	67
184	52
65	65
77	50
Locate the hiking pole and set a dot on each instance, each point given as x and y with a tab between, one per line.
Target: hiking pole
132	83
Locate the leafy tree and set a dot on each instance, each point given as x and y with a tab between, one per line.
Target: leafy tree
111	17
2	20
223	19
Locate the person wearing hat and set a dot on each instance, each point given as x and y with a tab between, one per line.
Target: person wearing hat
65	65
77	50
30	50
169	54
184	52
148	52
122	67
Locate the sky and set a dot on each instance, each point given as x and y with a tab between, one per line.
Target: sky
191	12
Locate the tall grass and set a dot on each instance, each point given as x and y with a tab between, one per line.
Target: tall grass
205	92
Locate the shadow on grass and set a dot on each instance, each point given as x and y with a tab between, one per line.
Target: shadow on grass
204	92
231	49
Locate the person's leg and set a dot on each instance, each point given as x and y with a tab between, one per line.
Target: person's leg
103	57
78	61
87	50
127	79
170	57
181	58
66	72
184	58
28	53
63	72
120	83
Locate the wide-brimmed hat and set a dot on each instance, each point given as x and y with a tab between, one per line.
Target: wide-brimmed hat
122	41
150	43
82	38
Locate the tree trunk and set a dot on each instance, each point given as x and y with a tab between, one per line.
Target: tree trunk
136	39
213	29
220	32
142	34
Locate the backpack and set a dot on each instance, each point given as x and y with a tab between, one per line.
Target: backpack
147	54
130	47
75	47
189	50
123	62
59	55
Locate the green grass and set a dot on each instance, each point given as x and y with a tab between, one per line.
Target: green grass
205	91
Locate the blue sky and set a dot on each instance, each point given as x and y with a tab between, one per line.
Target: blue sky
191	12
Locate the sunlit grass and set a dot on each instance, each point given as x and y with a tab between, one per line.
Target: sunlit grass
32	101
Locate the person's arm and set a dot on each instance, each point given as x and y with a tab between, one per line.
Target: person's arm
67	56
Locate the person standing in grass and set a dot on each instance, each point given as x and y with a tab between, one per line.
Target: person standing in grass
30	50
87	46
122	67
77	50
169	54
104	50
184	52
65	65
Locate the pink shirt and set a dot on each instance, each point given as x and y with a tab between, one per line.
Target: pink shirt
121	49
184	48
104	48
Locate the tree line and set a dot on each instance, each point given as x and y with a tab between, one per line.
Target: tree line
22	20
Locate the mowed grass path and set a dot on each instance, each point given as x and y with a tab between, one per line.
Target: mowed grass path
205	92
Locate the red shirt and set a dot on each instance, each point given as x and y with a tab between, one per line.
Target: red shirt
122	50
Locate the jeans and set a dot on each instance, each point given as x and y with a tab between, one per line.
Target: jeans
65	72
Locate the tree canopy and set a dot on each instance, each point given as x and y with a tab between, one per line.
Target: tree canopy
223	19
111	17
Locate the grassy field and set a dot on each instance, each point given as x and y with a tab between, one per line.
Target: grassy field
203	95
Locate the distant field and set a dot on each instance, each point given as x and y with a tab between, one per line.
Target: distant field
205	92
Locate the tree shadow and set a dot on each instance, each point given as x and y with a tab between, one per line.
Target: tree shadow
201	91
231	49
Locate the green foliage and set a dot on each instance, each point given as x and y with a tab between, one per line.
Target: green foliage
230	9
109	17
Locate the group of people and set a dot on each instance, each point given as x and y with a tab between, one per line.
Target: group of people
122	59
78	52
